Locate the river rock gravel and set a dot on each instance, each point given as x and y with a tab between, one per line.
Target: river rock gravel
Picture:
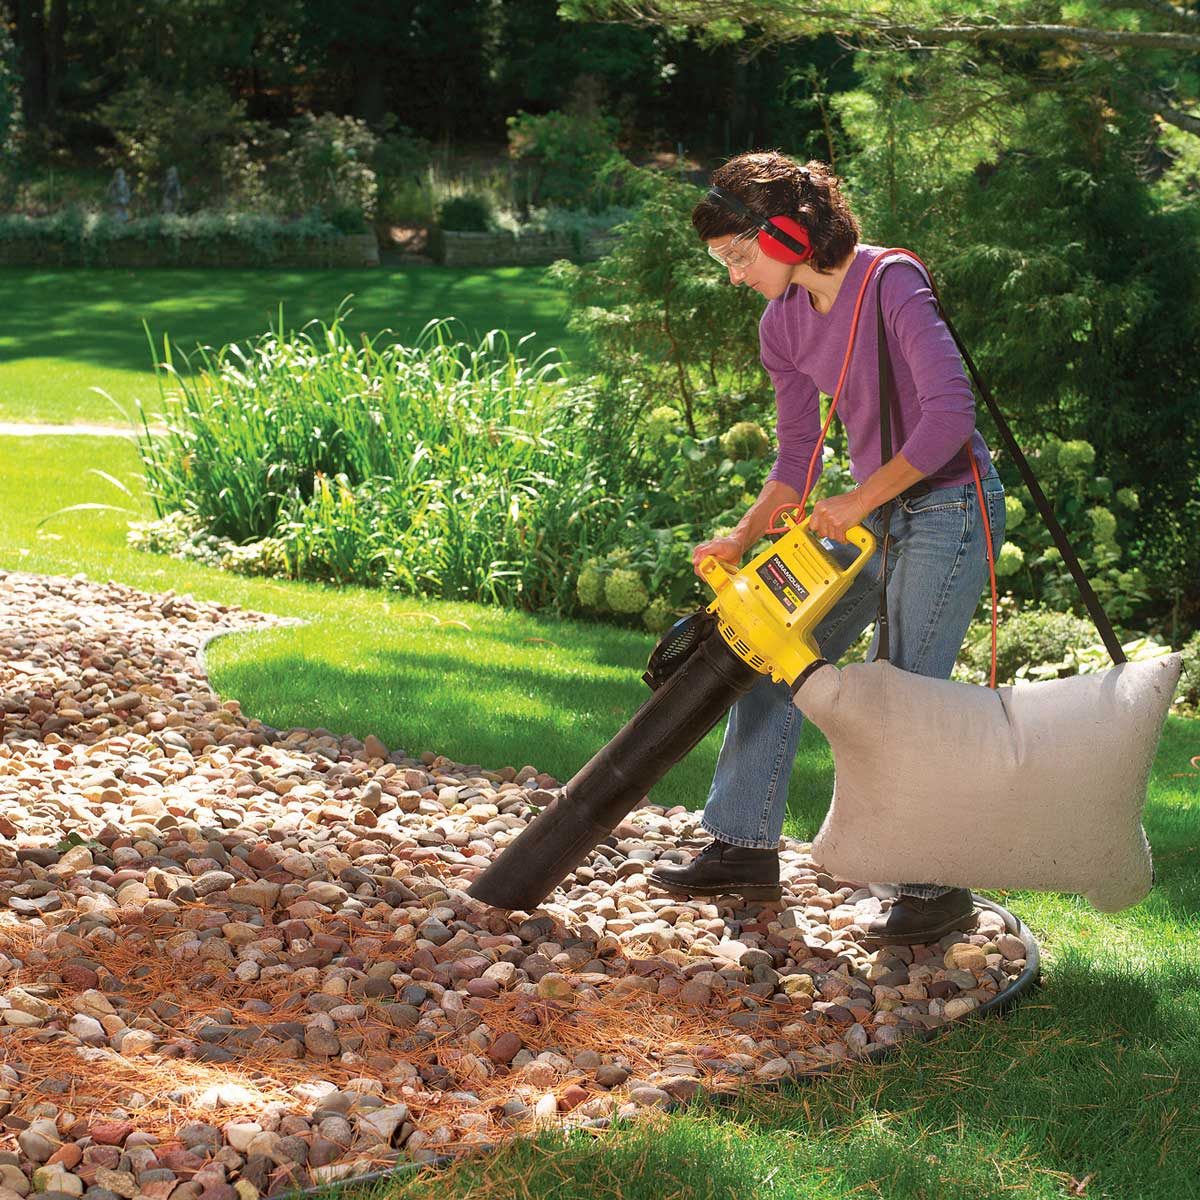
236	960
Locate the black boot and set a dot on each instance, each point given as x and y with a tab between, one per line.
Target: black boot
722	869
913	922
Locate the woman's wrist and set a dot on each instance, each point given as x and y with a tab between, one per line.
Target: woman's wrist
888	481
739	538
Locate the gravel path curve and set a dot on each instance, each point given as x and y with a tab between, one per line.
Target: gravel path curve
235	960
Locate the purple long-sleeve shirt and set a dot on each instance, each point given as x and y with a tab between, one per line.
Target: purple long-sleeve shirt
802	351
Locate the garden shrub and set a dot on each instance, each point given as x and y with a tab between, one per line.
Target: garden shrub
247	169
453	471
747	439
570	159
650	580
1189	684
401	164
198	131
1025	638
321	165
88	236
576	226
678	491
658	310
1097	519
180	534
465	214
327	168
183	536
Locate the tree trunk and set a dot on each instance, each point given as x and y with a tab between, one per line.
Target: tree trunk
738	114
31	47
55	58
369	79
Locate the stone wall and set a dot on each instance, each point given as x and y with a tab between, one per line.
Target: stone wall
531	249
349	250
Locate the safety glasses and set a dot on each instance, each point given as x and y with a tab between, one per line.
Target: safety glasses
739	253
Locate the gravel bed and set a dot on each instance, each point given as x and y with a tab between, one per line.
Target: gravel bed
236	960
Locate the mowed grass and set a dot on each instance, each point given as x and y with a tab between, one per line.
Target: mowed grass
68	331
1091	1087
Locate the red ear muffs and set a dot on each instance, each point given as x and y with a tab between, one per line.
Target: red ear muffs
773	248
781	238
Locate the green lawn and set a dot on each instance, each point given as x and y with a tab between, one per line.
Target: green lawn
1097	1077
67	331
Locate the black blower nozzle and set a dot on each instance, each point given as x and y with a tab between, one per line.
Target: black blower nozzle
703	680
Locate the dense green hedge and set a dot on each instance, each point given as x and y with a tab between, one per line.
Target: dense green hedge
77	238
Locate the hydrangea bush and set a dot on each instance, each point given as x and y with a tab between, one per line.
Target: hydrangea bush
1098	519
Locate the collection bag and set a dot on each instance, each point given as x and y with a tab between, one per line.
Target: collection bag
1035	786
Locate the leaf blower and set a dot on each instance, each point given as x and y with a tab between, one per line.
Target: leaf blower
760	622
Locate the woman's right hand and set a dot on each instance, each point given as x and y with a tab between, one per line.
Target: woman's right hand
727	549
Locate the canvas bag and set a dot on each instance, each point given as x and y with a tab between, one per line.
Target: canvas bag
1035	786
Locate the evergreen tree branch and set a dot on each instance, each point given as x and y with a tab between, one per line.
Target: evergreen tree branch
1185	17
1186	121
1111	38
789	22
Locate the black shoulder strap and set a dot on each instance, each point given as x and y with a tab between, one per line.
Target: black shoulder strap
887	391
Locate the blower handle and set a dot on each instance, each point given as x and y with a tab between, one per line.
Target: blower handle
864	539
856	535
790	506
717	572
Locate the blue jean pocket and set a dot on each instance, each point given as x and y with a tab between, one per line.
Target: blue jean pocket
949	499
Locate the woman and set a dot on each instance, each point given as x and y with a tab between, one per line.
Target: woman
937	566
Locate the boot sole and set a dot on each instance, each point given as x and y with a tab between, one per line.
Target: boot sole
963	924
750	891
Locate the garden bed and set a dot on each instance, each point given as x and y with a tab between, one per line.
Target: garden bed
343	250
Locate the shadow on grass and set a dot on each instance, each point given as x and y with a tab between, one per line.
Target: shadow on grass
94	315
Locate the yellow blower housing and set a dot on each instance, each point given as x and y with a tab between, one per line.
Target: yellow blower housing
768	610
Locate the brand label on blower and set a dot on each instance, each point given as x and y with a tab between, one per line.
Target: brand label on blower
784	586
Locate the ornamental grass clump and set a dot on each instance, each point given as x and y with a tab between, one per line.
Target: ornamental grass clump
456	471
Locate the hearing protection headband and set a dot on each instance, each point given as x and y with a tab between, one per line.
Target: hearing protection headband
764	223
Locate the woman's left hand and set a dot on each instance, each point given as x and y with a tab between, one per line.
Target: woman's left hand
831	518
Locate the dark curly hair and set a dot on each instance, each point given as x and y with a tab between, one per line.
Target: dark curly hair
771	184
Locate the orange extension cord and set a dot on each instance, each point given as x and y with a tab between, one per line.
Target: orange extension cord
808	481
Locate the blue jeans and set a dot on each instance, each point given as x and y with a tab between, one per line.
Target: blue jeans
937	567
